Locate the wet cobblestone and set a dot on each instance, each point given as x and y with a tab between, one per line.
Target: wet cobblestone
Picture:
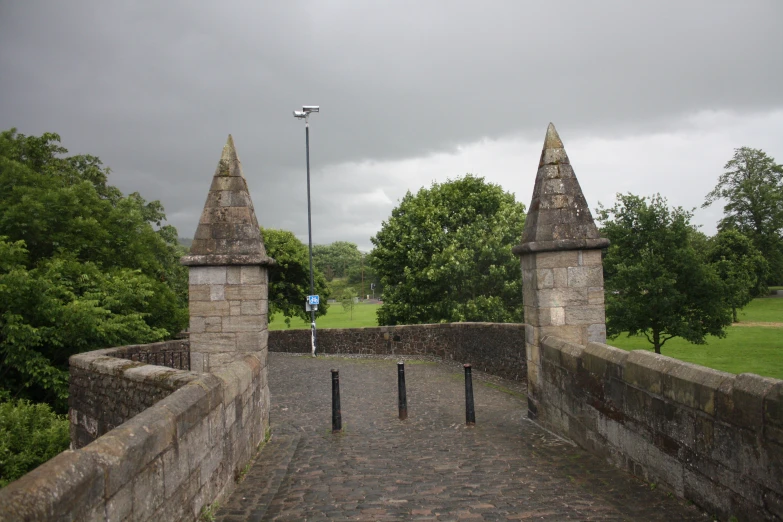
431	466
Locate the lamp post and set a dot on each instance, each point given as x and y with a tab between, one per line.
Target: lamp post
305	114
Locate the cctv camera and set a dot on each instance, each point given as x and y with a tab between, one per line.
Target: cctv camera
299	114
310	108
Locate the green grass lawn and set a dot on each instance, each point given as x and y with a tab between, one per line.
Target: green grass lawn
336	317
745	349
767	310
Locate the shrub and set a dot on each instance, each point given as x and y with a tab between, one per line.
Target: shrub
30	434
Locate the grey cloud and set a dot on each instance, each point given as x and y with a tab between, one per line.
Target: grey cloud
153	88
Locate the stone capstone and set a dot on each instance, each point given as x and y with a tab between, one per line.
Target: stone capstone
558	217
228	232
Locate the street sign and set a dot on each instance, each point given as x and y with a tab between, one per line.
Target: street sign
313	299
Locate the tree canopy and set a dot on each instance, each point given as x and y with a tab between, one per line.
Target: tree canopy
444	255
337	259
81	266
656	283
289	280
740	266
752	186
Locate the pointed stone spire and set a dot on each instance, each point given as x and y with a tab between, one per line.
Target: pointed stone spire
228	232
558	217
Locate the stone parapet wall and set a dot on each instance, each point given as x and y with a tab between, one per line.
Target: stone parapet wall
165	463
108	387
712	437
171	354
495	348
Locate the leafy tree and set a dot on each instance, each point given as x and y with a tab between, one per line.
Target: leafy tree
59	308
752	186
362	276
336	259
289	280
348	300
445	255
30	434
81	266
656	283
740	266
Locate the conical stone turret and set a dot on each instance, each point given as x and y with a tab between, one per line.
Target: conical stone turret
227	232
228	274
558	217
562	273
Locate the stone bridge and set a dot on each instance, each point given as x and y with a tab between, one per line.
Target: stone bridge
567	427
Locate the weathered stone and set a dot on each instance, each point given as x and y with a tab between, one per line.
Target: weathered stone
694	386
645	370
590	276
603	360
209	308
251	307
584	315
207	275
199	292
212	342
544	278
596	333
212	324
748	399
244	323
217	292
146	490
252	275
243	292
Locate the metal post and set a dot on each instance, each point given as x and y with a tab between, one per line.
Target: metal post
310	237
337	418
470	412
403	399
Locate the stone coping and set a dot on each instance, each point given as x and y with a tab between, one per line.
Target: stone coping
227	260
560	244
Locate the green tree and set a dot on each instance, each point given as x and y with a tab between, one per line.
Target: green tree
348	300
63	206
740	266
752	186
656	283
336	259
59	308
444	255
81	266
289	280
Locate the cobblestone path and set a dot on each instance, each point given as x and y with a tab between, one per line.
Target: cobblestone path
431	466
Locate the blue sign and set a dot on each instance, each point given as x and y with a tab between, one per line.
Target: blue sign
313	299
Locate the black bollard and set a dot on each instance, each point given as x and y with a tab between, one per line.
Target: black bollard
470	413
403	399
337	418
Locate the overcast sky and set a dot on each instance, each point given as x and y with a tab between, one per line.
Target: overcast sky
647	97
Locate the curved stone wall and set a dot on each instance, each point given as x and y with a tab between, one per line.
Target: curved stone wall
496	348
183	438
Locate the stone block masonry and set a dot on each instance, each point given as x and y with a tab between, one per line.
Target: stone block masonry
711	437
166	461
105	391
495	348
228	313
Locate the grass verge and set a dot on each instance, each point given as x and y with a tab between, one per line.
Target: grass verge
336	317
